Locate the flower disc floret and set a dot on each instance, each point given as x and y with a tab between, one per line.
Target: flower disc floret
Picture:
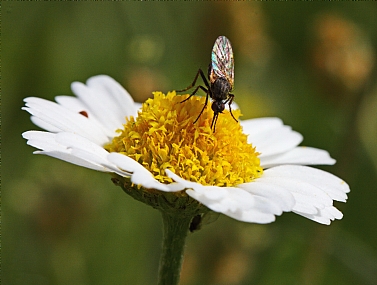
163	136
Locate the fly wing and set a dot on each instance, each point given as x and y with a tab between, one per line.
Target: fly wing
222	61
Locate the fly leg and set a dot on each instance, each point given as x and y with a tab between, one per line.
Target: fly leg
197	88
205	105
200	71
194	93
207	91
229	101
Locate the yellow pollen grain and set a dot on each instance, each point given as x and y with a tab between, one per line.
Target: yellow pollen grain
163	136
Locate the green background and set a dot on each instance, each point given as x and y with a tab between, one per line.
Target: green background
311	64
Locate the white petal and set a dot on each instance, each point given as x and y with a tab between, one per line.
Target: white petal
234	207
119	95
231	201
106	99
302	191
257	126
333	186
139	174
300	156
270	136
254	216
48	145
75	105
324	216
336	214
84	149
213	197
71	103
68	157
71	148
274	193
42	140
44	125
63	119
314	190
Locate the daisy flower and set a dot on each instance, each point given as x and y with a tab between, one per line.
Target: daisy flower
252	171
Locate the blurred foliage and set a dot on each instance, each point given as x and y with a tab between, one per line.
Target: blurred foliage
312	64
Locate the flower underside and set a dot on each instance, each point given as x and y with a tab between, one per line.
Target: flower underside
163	136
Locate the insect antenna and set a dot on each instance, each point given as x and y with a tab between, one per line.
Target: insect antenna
214	120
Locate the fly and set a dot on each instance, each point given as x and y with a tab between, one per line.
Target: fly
221	80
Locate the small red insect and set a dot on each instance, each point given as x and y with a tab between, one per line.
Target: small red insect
84	113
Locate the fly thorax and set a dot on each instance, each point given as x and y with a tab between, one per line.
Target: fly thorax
220	89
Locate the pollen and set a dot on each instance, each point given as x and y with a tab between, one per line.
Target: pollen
163	136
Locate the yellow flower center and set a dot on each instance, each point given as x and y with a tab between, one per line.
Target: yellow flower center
163	136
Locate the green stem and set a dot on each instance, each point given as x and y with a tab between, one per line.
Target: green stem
178	210
175	232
